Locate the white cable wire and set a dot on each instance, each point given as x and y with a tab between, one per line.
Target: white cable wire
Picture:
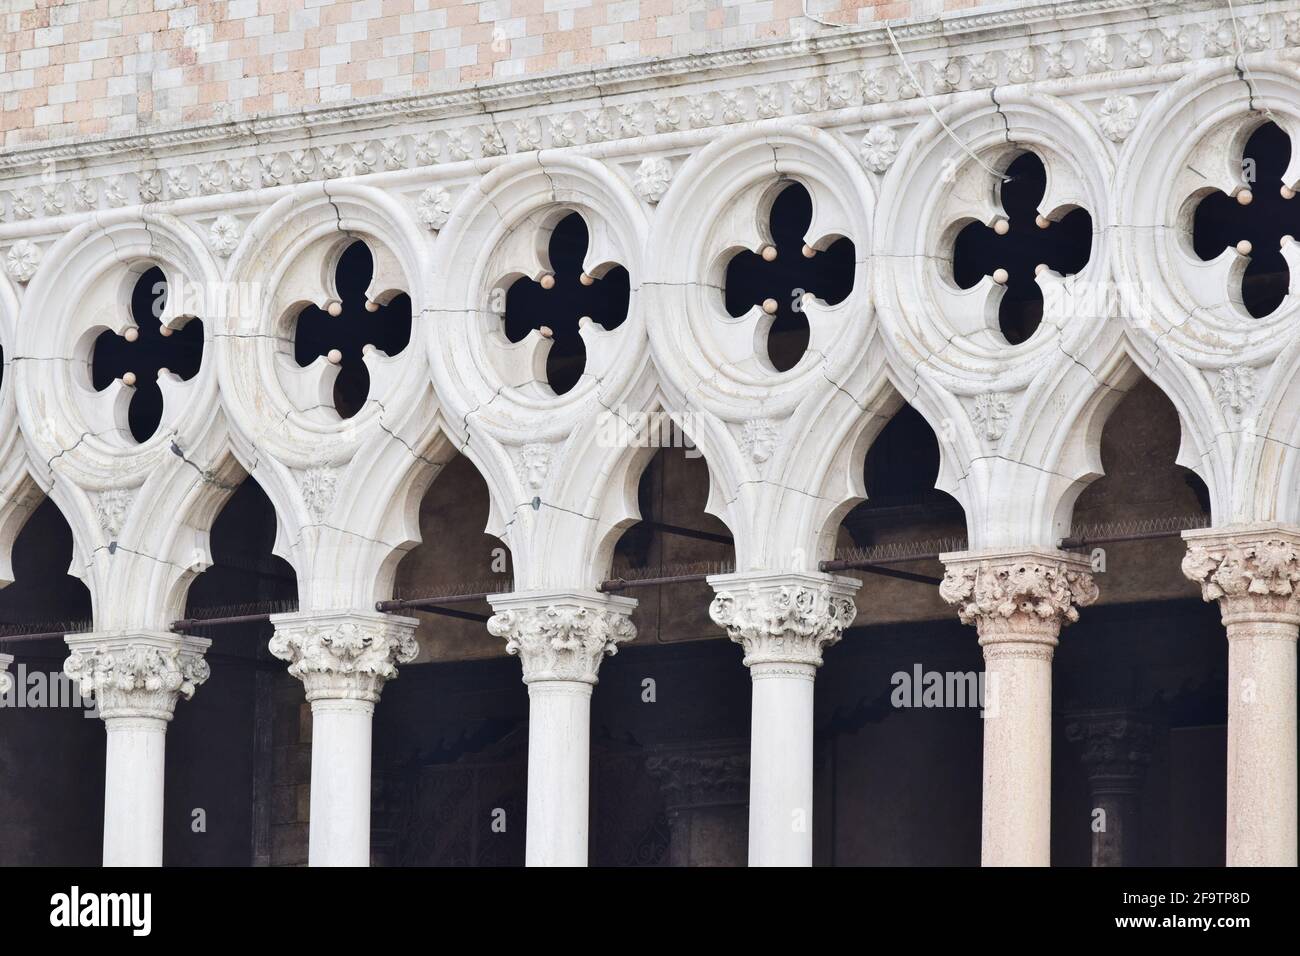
916	85
1245	68
934	112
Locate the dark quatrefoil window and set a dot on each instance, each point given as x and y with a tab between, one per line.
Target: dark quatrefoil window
557	304
1012	250
146	353
777	277
1254	221
359	325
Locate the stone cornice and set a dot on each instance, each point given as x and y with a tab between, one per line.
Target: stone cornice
948	35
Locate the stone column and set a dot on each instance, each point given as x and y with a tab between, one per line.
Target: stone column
1253	572
343	659
1115	748
1018	602
561	638
782	620
135	680
706	792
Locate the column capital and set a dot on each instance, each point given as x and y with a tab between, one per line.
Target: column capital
783	617
561	635
6	679
1018	597
139	673
344	654
1114	747
1252	570
711	775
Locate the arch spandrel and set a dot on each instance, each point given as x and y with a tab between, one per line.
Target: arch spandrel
1012	419
782	446
19	492
139	511
345	490
557	466
1230	374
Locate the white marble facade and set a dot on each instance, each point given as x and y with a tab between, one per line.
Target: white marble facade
1133	113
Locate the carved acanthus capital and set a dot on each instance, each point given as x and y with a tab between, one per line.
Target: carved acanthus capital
138	674
707	776
1251	570
1022	597
344	655
561	635
1114	746
783	617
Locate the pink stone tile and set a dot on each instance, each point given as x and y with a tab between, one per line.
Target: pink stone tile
462	15
384	27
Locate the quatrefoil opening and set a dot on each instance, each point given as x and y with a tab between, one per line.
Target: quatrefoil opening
344	339
778	277
555	317
135	369
1011	249
1252	226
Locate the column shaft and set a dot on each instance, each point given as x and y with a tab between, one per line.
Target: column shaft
560	637
1115	748
783	620
1016	825
340	783
135	679
343	659
559	762
134	769
1261	744
706	795
1018	602
1252	571
781	765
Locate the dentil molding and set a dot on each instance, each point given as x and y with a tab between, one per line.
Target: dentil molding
855	67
